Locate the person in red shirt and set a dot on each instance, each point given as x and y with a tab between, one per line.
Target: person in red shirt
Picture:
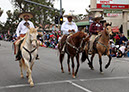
117	37
94	29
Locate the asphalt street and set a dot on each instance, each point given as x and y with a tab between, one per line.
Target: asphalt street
47	74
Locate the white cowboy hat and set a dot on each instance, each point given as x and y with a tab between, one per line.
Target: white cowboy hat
69	15
21	15
97	16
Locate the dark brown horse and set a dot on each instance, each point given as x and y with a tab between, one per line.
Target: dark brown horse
101	47
73	46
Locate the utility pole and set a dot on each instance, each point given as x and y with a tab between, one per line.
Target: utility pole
60	7
60	15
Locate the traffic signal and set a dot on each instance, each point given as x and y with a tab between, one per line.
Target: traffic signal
56	19
61	19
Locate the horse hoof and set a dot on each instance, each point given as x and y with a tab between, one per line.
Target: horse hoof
74	77
62	71
102	73
31	84
22	76
69	73
92	68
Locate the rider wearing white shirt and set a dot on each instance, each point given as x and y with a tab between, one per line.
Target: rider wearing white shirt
22	28
66	26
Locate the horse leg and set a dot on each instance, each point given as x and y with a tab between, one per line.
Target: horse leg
20	64
61	60
107	65
72	59
78	64
27	74
68	61
30	80
100	62
91	64
32	63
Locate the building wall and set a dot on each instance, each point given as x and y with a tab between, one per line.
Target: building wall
116	21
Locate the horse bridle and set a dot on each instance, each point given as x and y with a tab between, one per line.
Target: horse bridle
34	40
32	50
77	48
102	43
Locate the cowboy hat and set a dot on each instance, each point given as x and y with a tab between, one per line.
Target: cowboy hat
97	16
70	16
21	15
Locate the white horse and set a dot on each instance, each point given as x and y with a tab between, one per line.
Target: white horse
29	52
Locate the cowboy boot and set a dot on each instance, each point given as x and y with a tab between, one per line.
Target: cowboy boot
37	57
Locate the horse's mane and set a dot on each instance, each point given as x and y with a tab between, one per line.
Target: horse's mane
79	35
32	30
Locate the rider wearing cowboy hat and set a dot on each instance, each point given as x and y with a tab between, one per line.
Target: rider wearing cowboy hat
94	29
24	24
67	28
21	30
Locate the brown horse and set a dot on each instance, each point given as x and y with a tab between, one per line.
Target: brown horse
73	46
101	47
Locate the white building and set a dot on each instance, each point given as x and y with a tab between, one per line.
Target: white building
116	11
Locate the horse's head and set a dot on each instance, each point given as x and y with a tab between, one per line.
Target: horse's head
108	29
33	36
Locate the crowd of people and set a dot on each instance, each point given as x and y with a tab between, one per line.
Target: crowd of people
119	45
50	39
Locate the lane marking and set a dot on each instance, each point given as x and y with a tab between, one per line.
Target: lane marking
107	78
78	86
63	81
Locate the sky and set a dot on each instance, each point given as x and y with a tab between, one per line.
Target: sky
77	6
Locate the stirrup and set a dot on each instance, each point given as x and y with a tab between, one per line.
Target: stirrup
37	57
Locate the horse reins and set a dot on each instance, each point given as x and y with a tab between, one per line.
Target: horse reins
30	52
77	49
103	44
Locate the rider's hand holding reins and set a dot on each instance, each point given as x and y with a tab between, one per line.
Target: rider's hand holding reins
73	30
69	30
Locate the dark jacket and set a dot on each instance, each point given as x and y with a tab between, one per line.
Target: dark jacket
93	28
123	39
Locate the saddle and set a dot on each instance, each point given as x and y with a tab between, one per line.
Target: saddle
19	55
61	45
95	42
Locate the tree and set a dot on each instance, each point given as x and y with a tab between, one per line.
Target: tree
42	15
12	21
1	24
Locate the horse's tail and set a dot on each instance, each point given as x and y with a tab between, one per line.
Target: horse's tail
83	58
23	63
